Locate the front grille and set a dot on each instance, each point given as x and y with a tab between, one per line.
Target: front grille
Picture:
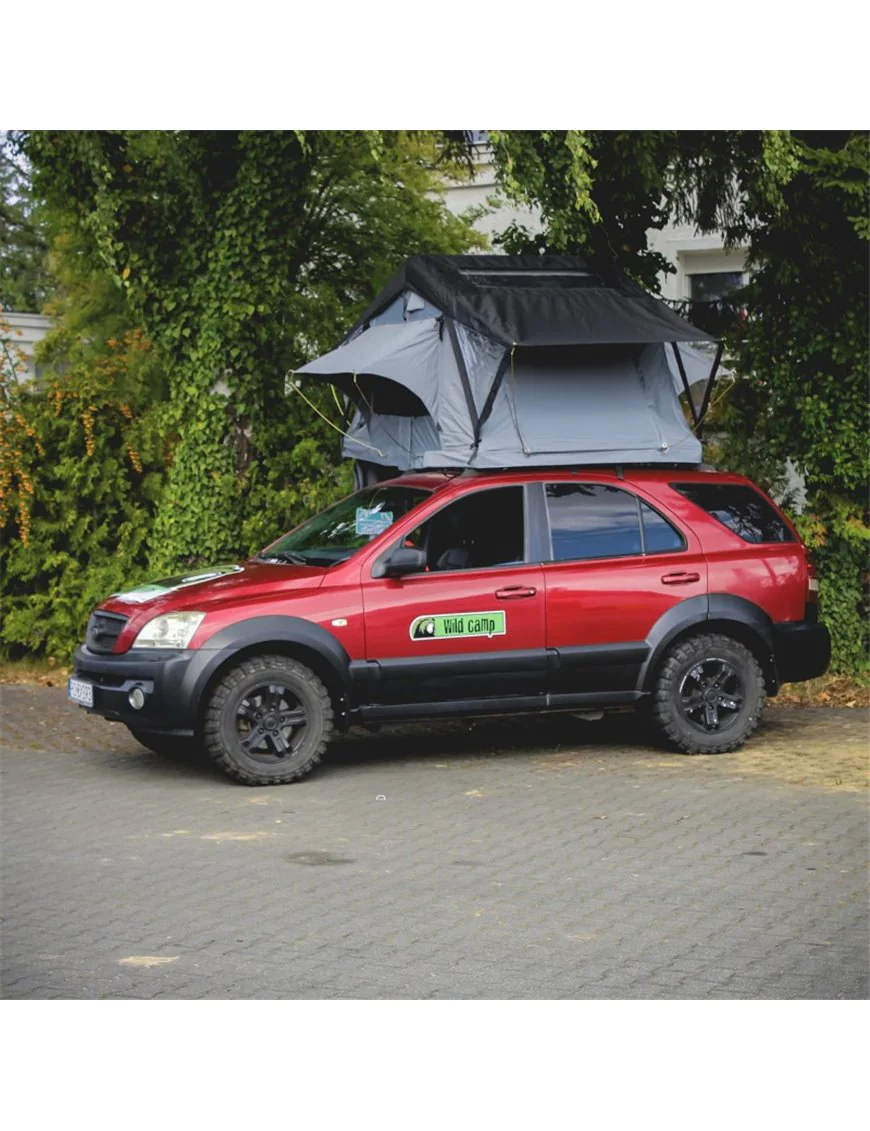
104	630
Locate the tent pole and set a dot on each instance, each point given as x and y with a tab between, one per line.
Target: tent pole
708	392
463	376
491	395
685	381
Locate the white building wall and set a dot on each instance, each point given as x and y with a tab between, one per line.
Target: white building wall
689	252
27	331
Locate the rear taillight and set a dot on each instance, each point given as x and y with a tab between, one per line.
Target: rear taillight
812	583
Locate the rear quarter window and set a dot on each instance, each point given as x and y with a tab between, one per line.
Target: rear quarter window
741	509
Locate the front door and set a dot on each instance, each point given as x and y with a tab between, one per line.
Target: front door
472	626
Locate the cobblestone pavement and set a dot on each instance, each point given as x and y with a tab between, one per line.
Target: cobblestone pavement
537	858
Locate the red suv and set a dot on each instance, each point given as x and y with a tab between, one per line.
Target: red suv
686	592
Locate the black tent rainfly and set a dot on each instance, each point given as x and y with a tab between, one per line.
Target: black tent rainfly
490	361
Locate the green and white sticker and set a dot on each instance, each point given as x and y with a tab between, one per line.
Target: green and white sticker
443	626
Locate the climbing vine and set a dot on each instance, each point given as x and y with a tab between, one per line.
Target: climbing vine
241	254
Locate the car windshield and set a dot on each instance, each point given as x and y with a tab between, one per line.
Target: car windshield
337	533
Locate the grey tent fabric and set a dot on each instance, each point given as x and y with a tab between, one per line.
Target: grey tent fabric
612	406
696	364
407	353
430	390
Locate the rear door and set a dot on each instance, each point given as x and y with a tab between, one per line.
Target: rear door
472	625
617	565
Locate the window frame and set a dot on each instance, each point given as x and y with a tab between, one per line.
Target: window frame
638	499
793	537
532	545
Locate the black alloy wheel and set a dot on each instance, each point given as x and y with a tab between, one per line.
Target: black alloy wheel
708	694
270	723
268	720
711	696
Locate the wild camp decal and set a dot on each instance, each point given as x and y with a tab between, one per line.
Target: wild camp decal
442	626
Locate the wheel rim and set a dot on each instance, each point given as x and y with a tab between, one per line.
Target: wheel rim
270	723
711	695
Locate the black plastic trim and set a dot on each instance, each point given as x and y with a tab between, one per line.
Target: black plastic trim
597	655
749	623
537	534
497	705
181	678
802	650
263	632
159	672
469	663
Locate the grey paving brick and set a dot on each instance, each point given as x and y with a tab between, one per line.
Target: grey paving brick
603	869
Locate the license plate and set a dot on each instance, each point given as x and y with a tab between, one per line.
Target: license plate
80	692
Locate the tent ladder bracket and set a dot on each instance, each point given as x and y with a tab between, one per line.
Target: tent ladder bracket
708	392
696	420
492	394
463	376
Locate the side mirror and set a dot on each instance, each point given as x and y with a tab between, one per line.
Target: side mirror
403	561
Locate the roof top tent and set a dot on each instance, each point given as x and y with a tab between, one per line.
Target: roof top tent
492	361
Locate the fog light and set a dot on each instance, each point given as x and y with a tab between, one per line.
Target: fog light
136	698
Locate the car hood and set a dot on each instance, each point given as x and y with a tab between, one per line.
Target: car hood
203	589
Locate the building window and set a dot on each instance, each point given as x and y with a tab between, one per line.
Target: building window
713	286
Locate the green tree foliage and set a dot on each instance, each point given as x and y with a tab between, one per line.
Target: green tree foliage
600	193
241	254
799	202
804	351
236	256
81	465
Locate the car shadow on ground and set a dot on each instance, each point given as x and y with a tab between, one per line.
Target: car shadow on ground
39	719
485	738
459	741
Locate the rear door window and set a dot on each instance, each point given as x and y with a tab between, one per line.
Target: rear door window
746	513
659	537
592	520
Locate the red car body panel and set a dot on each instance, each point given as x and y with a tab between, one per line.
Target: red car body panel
563	634
608	600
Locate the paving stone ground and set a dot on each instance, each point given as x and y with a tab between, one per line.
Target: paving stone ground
535	858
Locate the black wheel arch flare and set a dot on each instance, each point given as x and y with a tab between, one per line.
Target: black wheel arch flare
292	636
713	612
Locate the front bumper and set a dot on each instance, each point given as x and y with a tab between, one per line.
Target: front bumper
160	673
802	650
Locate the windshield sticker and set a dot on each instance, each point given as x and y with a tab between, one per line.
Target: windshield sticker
169	584
372	522
441	626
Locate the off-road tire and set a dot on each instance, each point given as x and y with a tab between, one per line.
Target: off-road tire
681	660
173	746
220	729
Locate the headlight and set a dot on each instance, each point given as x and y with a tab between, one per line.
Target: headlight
173	630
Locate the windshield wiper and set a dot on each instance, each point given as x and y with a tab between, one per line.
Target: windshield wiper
283	556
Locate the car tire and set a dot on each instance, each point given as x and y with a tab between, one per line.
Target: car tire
268	721
173	746
708	695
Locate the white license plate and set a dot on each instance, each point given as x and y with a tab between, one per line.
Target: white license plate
80	692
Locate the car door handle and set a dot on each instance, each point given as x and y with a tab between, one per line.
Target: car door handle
680	578
513	592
